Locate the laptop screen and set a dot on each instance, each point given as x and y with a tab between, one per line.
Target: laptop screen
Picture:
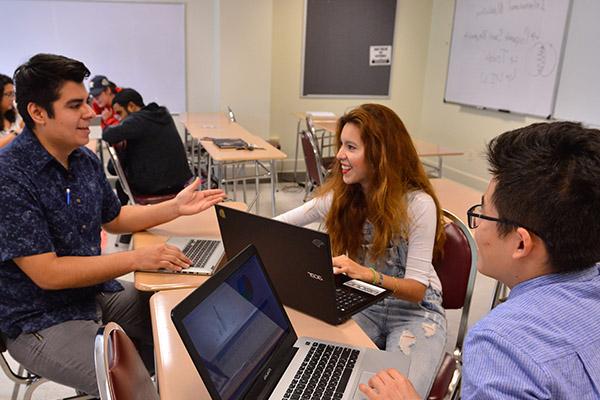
236	328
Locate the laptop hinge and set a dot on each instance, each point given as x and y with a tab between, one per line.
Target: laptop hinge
275	368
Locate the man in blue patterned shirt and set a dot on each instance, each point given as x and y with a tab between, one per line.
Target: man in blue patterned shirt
55	287
537	231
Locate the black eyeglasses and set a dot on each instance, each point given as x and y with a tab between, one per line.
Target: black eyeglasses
474	215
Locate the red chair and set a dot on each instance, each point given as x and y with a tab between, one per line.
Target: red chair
113	152
120	371
457	270
317	166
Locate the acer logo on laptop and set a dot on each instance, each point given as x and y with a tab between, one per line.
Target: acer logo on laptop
314	276
266	375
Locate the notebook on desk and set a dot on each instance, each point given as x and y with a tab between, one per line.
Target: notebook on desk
230	143
243	345
298	261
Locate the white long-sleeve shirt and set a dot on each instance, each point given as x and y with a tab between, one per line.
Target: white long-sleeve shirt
421	232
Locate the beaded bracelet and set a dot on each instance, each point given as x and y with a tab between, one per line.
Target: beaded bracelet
374	280
380	283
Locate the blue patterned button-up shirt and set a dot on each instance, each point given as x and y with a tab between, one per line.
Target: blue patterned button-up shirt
542	343
36	217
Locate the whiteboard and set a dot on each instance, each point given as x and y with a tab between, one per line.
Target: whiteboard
137	45
578	97
505	54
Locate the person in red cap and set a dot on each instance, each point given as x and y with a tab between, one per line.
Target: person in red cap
103	91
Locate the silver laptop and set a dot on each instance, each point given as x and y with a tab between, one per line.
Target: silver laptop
244	346
205	253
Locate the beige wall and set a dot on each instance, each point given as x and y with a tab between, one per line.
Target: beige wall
463	128
245	61
411	40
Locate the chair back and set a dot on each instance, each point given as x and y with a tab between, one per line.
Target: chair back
314	167
457	269
230	114
113	152
120	371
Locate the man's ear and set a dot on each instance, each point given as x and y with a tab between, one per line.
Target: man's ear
523	243
37	113
131	107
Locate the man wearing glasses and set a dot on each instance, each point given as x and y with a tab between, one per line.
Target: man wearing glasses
538	232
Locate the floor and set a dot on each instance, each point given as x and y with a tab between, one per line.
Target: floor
288	196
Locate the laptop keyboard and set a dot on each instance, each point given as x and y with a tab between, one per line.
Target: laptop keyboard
199	251
324	373
347	300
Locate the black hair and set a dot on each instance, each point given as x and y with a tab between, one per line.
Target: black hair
11	114
547	178
127	95
40	80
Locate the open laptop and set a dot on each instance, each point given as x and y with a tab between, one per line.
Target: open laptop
243	345
205	253
298	261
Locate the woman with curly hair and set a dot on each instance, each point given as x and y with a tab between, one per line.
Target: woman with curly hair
385	225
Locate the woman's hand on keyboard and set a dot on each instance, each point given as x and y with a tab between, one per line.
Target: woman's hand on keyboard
160	256
344	265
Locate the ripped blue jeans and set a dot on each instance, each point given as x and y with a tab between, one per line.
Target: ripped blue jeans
417	330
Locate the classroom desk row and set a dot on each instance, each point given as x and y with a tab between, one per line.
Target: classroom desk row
205	126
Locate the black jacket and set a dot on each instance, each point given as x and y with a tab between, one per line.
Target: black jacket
154	159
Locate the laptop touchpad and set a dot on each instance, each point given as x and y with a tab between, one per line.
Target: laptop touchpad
364	378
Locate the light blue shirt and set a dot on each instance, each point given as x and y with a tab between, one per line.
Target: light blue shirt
542	343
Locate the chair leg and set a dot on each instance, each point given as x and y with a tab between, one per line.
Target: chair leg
32	387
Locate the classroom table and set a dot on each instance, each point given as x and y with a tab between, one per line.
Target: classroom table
218	125
203	224
423	147
178	379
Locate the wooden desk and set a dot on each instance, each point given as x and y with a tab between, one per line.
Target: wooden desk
424	148
202	224
217	125
455	197
177	376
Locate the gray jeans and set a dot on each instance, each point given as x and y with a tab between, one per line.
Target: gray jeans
64	353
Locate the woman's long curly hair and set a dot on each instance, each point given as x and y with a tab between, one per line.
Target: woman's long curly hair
395	170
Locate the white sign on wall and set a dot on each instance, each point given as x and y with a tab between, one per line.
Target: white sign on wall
380	55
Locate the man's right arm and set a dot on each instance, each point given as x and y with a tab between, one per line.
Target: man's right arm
50	272
126	130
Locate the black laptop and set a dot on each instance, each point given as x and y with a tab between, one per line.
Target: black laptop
298	261
243	345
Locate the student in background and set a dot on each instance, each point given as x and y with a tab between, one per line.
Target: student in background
11	121
154	157
385	225
103	92
537	232
56	288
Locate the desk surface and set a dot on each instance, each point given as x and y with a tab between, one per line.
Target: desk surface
424	148
217	125
455	197
316	116
177	376
204	224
